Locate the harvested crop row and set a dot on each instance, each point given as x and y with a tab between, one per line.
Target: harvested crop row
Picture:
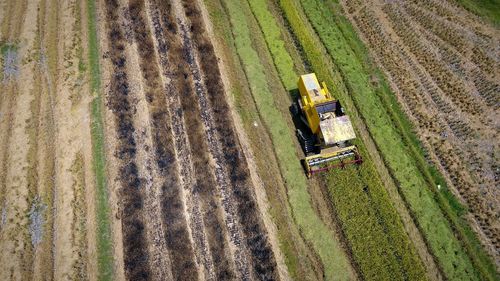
420	106
177	236
467	132
264	264
118	101
192	164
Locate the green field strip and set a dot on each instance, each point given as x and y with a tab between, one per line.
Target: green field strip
103	212
334	261
487	9
339	40
381	221
272	34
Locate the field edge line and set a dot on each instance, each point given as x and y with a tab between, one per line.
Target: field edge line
104	243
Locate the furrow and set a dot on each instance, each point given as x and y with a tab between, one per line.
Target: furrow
149	174
184	265
136	258
202	187
220	132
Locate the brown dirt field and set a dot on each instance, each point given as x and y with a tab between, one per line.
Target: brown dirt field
446	79
72	137
48	103
15	242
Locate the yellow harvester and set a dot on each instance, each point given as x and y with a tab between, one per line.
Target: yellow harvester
326	142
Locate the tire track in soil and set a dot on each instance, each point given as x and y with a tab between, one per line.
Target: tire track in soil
231	163
130	196
42	157
47	189
177	234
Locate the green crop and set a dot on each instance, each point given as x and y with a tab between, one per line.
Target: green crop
349	56
104	241
488	9
314	230
379	244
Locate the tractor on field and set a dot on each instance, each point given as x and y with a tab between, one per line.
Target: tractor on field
324	131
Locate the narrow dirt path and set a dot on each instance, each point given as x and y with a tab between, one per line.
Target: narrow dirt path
15	240
39	138
47	68
72	134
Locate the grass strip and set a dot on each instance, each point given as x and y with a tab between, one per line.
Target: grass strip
372	205
104	241
488	9
339	40
334	261
273	37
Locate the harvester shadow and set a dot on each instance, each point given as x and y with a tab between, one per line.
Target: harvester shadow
298	125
